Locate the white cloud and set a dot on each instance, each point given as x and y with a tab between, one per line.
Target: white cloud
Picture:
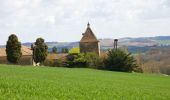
65	20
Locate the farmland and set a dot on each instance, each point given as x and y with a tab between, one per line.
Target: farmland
27	82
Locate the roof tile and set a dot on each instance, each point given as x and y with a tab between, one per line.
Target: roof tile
26	51
89	36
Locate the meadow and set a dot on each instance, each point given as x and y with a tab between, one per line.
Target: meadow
48	83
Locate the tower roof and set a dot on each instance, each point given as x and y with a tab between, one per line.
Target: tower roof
89	36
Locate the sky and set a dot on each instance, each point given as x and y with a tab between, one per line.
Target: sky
66	20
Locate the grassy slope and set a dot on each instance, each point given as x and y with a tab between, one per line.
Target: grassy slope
63	83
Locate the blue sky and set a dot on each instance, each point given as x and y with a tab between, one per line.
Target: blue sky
66	20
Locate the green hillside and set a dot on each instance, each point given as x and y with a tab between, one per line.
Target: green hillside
28	83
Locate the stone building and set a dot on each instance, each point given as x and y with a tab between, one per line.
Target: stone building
89	42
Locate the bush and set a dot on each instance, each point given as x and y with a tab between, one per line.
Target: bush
80	60
58	63
76	60
53	63
119	60
64	50
49	62
93	60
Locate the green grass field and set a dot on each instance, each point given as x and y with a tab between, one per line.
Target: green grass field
28	83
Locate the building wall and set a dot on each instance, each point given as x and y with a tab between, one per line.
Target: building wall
90	47
25	60
3	60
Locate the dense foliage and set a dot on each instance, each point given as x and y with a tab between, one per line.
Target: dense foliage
115	60
76	60
40	51
13	49
119	60
75	50
64	50
91	60
54	49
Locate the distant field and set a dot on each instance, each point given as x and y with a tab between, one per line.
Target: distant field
163	42
28	83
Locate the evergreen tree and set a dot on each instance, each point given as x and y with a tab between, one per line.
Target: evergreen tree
64	50
54	49
13	49
119	60
40	51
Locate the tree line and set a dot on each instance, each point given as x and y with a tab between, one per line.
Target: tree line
114	60
14	53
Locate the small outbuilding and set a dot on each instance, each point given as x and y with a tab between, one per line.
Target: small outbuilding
89	42
26	58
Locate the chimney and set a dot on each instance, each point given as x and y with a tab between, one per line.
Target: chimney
115	43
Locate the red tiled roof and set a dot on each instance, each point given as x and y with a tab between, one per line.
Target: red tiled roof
2	52
26	51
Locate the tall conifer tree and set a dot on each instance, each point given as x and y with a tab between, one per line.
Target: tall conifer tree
40	51
13	49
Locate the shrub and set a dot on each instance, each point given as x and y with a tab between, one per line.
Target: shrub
76	60
58	63
93	60
119	60
64	50
49	62
54	49
80	61
53	63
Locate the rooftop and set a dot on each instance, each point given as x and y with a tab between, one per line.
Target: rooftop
26	51
89	36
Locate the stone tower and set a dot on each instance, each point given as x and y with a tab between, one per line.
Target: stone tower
89	42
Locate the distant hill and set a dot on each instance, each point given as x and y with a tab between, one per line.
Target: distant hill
139	42
143	43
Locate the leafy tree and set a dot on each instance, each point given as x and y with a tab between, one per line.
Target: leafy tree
75	50
64	50
119	60
40	51
13	49
54	49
